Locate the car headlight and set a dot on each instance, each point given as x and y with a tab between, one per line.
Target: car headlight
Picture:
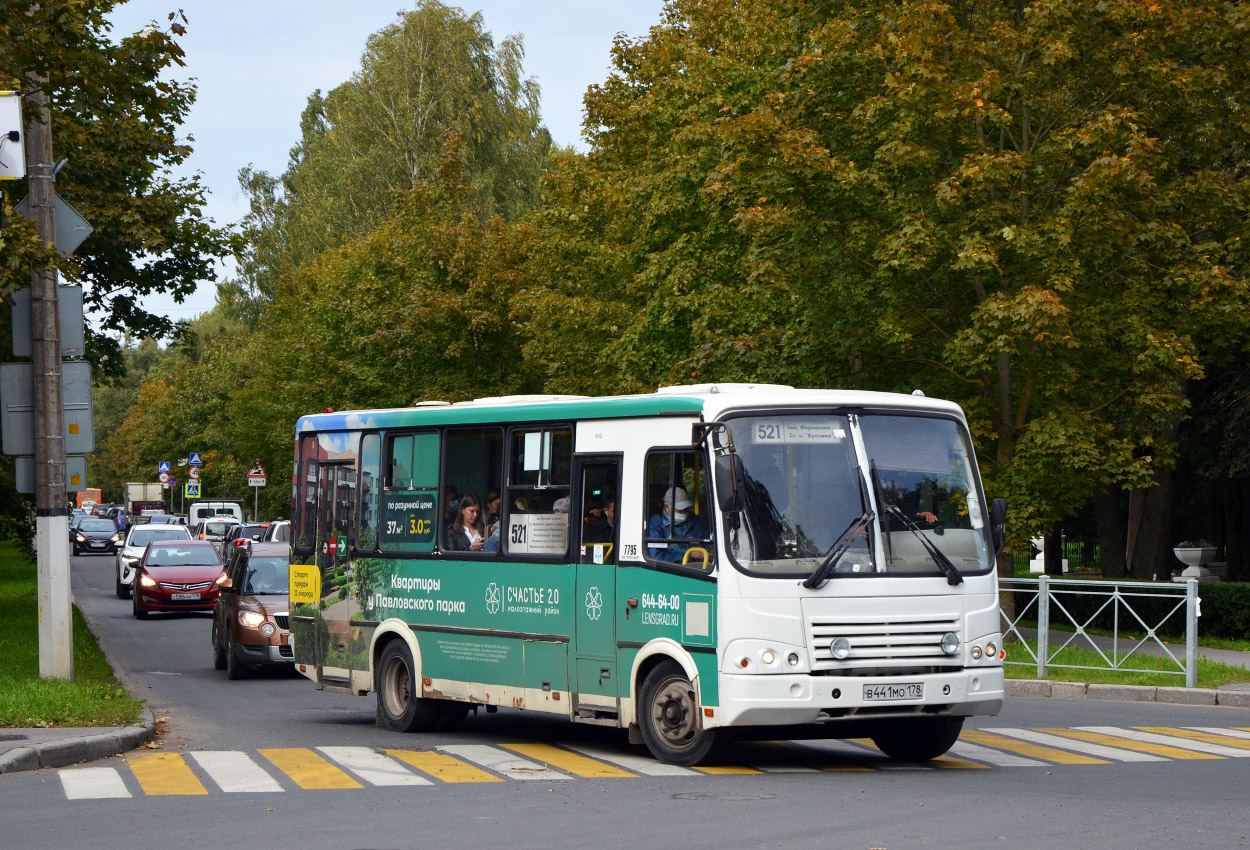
147	581
116	538
267	629
82	539
251	619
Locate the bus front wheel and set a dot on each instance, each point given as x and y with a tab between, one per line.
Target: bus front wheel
920	739
401	709
669	718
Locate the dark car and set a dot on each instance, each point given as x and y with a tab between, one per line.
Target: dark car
241	533
96	534
251	623
177	575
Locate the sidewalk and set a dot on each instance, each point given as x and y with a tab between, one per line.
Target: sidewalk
29	749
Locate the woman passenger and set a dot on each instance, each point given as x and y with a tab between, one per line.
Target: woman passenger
465	534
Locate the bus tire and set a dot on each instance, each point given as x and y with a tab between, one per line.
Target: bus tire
920	739
670	720
400	708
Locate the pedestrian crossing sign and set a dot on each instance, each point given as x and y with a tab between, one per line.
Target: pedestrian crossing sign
191	490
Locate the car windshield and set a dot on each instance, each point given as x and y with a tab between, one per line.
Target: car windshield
97	525
217	528
806	495
144	536
266	575
182	556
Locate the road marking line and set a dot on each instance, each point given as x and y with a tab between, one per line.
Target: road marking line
235	772
886	762
1166	740
1090	749
1217	730
579	765
1222	740
638	764
1050	754
501	762
949	762
441	767
93	783
164	774
307	769
1128	744
829	756
994	757
372	766
726	770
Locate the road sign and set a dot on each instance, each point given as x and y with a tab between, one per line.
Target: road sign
17	407
195	459
75	473
12	137
193	472
173	482
69	316
71	228
164	476
256	481
257	469
163	466
191	490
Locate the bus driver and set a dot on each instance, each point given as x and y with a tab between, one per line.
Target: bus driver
685	524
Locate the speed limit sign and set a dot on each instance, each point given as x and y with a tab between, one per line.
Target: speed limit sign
193	472
164	477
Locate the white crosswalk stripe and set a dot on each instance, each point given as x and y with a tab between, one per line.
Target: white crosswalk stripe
372	766
1167	741
1085	747
93	783
978	753
503	762
638	764
1216	730
235	772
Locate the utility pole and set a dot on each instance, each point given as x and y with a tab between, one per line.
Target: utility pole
56	637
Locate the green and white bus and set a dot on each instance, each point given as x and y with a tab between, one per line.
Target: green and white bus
732	555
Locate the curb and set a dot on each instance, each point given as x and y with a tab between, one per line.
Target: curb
69	751
1044	689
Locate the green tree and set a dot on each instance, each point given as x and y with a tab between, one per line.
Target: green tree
433	74
115	118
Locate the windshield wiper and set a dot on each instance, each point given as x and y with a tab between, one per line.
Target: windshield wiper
943	563
821	574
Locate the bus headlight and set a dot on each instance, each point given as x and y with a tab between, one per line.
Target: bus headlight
768	656
950	643
840	649
975	652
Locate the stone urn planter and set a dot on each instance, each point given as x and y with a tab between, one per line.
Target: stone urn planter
1195	559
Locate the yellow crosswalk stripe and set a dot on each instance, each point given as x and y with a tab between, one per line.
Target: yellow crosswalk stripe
725	770
443	767
164	774
1128	744
307	769
817	758
1024	748
1195	735
570	762
954	762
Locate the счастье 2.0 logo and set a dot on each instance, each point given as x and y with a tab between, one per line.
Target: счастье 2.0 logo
594	603
492	598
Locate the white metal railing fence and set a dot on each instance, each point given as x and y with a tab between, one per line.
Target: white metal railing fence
1048	599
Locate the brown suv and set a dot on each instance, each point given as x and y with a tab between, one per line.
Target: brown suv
251	623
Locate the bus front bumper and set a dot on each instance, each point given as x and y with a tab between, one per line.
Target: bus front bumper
762	700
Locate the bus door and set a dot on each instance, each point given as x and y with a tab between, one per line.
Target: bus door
595	544
335	496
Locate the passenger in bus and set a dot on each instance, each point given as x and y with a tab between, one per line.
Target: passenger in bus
600	523
676	522
465	534
492	511
451	503
561	506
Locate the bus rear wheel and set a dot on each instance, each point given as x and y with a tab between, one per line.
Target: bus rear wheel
398	705
920	739
670	720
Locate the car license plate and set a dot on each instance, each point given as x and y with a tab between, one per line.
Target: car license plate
907	690
96	543
184	597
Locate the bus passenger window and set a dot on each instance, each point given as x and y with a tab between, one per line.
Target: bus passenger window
677	526
409	519
473	470
539	484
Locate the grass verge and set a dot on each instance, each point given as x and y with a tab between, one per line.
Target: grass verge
94	698
1211	674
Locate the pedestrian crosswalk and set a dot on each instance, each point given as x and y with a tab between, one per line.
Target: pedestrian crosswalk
270	770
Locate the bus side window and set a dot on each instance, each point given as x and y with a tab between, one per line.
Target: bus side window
539	481
677	525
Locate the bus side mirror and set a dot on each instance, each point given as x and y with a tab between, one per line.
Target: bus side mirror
729	477
998	523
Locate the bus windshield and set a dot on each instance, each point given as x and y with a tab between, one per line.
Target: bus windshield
806	495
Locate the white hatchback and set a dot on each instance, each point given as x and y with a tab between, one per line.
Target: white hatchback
137	540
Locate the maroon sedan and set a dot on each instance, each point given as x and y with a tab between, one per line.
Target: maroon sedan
177	575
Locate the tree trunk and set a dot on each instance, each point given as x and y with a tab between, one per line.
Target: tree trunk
1052	551
1112	530
1236	498
1150	546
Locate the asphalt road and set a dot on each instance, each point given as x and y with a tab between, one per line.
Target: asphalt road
515	779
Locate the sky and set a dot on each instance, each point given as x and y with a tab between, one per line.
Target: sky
256	62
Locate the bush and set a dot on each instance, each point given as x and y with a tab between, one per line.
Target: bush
1225	611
